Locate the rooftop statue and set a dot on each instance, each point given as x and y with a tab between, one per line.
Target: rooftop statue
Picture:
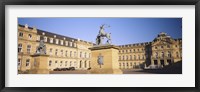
103	34
41	49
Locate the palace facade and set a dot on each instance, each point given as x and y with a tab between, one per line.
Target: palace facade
67	52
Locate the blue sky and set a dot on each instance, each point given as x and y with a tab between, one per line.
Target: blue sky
123	30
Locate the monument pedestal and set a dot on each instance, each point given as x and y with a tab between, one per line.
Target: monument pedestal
40	64
109	55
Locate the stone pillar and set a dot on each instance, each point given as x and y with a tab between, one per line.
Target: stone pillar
110	60
39	64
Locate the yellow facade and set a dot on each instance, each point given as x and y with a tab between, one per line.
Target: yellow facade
67	52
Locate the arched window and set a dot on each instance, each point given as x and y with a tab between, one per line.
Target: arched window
29	36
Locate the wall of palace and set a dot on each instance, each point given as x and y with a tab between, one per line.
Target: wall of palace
67	52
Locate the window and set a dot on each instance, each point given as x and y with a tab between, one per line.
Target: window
66	53
27	62
127	64
65	63
126	57
70	63
138	56
51	40
60	63
130	57
61	52
138	50
134	57
119	64
74	53
19	48
45	39
50	51
28	48
70	44
131	64
74	44
169	54
20	34
66	43
156	47
70	53
85	54
123	57
50	63
61	42
29	36
156	54
162	54
134	50
176	46
57	41
19	63
161	46
56	52
130	51
119	57
80	54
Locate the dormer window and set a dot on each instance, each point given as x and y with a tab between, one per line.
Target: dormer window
61	42
70	44
66	43
51	40
57	41
74	44
45	39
